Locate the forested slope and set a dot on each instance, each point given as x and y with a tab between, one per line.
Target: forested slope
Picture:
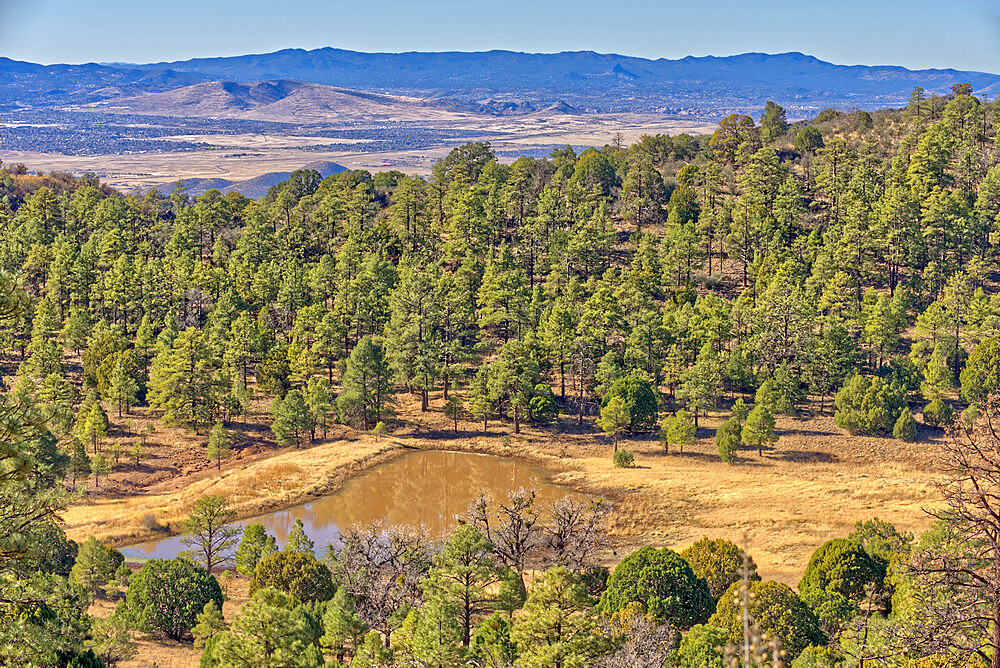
854	255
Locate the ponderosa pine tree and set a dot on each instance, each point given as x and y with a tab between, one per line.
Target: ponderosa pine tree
367	388
181	380
291	418
218	447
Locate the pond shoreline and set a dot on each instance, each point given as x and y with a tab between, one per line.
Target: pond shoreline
422	488
322	482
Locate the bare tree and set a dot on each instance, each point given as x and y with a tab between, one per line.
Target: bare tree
576	531
513	528
640	642
957	579
381	567
211	534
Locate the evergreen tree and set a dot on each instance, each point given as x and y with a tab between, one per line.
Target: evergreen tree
218	445
905	428
270	631
123	389
557	626
181	381
678	429
728	439
343	629
759	429
254	545
319	402
462	577
615	419
298	541
366	396
79	462
99	466
210	623
291	418
95	566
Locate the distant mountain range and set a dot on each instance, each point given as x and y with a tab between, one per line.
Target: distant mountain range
501	82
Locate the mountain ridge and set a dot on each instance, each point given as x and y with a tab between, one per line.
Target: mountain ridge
582	79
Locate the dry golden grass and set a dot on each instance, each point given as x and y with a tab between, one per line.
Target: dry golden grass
291	476
813	485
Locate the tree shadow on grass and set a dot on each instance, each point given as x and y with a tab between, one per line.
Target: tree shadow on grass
804	456
810	432
451	435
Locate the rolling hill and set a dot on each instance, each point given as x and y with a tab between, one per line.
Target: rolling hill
278	100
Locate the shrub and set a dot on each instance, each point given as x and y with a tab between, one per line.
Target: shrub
640	401
826	116
905	428
623	459
867	405
779	613
938	414
663	583
727	439
703	647
542	407
970	415
166	595
808	140
835	580
818	657
718	562
295	573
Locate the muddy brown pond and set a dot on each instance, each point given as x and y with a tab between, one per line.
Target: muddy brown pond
425	488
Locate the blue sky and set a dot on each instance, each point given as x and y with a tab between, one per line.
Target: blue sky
964	34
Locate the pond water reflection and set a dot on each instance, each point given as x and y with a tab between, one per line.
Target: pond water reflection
425	488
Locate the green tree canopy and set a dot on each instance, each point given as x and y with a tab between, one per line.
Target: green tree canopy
165	596
663	583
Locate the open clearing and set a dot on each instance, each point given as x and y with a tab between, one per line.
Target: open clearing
812	486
